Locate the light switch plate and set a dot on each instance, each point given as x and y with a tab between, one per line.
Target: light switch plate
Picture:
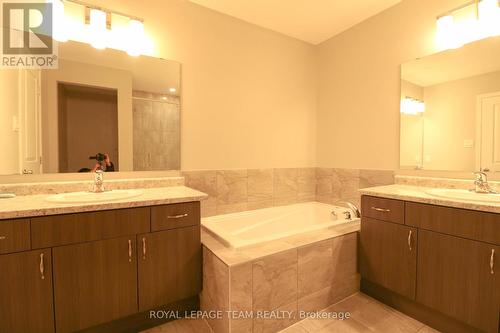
468	143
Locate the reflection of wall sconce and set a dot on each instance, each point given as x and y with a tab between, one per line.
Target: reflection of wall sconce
100	27
412	106
473	21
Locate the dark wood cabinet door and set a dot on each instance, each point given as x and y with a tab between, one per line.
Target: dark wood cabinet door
94	283
26	302
388	255
455	278
169	266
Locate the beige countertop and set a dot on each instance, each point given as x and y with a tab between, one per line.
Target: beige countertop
37	205
419	194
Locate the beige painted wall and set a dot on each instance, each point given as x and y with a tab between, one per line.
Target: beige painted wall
77	73
249	94
359	84
450	118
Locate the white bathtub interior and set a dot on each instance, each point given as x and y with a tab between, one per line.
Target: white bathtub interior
237	230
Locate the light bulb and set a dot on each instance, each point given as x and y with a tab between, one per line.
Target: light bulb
420	107
98	29
489	18
446	36
60	24
136	38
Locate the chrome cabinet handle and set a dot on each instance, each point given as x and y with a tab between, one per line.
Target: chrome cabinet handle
42	267
409	240
129	250
3	238
492	261
180	216
382	210
143	248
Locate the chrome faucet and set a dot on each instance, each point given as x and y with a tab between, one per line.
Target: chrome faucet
98	181
353	207
481	183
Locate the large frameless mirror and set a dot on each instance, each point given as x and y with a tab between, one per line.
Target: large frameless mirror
450	109
98	109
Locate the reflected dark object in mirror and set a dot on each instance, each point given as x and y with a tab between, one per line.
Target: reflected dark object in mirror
99	157
103	162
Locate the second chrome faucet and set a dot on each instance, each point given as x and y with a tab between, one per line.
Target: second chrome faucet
481	184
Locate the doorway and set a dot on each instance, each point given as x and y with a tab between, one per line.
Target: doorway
88	125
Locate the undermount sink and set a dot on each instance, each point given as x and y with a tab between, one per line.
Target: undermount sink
464	195
91	197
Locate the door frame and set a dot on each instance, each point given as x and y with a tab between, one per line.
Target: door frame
22	105
479	125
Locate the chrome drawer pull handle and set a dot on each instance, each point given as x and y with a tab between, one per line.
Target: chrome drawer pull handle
129	250
409	240
42	267
143	248
180	216
492	261
3	238
382	210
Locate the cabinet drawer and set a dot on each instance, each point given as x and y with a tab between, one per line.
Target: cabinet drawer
14	236
175	216
59	230
383	209
464	223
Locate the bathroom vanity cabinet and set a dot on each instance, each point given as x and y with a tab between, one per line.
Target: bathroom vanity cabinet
438	264
70	272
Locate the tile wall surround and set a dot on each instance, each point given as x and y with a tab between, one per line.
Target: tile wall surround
156	132
75	186
306	278
239	190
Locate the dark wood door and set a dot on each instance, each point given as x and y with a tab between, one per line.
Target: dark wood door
26	303
388	255
94	283
169	266
460	278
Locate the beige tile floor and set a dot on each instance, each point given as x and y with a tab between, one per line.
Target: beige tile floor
367	315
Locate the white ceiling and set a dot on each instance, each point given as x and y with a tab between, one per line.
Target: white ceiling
313	21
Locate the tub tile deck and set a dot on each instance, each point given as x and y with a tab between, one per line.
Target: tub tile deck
233	257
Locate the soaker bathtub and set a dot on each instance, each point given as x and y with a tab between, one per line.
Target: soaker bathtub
237	230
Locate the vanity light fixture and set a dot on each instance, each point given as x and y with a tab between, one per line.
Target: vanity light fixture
172	90
412	106
454	30
99	27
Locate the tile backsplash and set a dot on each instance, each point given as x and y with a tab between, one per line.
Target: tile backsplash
238	190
